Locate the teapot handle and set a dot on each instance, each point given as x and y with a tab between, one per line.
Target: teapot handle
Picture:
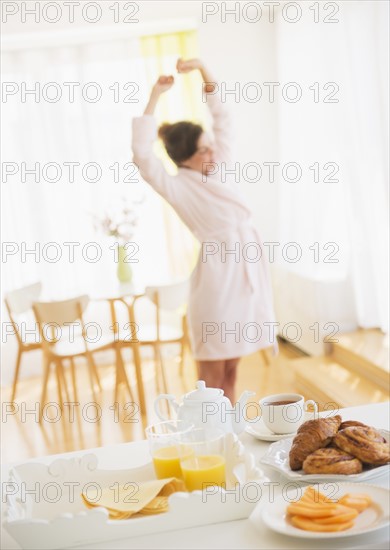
168	397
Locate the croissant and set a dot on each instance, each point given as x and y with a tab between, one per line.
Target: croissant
312	435
331	461
365	443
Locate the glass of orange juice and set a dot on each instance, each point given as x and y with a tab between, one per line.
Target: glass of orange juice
206	465
166	447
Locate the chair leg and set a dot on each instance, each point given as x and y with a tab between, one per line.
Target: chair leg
117	377
156	369
122	375
139	378
162	369
63	380
76	399
59	384
118	358
60	381
95	373
91	380
74	383
46	373
16	375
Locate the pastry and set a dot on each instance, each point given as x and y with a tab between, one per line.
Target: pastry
312	435
332	445
350	423
331	461
365	443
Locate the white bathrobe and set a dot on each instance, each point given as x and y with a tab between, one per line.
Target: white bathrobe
230	311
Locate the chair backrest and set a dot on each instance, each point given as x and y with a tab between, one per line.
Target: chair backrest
170	297
65	311
21	300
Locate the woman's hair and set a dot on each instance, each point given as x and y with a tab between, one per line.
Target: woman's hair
180	139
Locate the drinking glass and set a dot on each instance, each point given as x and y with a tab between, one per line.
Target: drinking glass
165	446
202	458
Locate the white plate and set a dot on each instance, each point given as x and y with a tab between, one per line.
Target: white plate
373	518
260	431
277	458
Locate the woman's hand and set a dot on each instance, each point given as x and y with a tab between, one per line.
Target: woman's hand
188	66
184	67
163	84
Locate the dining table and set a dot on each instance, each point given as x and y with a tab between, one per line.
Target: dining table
241	533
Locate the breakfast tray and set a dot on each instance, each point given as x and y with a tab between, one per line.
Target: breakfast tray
56	517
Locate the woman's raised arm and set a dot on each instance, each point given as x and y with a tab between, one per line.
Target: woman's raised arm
163	84
221	118
144	135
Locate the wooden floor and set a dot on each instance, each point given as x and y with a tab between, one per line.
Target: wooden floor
100	423
369	344
354	372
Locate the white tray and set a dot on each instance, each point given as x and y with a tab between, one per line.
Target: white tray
56	520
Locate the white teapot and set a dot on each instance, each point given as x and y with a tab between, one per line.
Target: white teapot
208	407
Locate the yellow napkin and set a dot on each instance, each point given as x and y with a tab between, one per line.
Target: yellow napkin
150	497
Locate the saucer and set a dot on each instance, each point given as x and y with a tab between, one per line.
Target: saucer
260	431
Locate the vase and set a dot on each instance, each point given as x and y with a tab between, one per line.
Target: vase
124	271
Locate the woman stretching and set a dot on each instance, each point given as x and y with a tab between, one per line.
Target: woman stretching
230	312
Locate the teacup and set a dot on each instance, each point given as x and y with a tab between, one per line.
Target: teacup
283	413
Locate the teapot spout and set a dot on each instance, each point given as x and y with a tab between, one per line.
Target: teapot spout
240	423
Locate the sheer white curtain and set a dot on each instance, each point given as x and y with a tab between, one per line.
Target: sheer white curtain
35	214
81	132
353	211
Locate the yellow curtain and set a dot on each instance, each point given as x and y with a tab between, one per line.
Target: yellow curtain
182	102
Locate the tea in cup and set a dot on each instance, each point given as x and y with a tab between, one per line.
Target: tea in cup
283	413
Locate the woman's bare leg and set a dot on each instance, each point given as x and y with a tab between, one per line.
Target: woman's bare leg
212	372
229	380
220	374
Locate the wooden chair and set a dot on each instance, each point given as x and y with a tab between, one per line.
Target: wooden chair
165	298
51	315
19	302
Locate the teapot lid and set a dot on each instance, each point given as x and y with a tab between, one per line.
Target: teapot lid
202	393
